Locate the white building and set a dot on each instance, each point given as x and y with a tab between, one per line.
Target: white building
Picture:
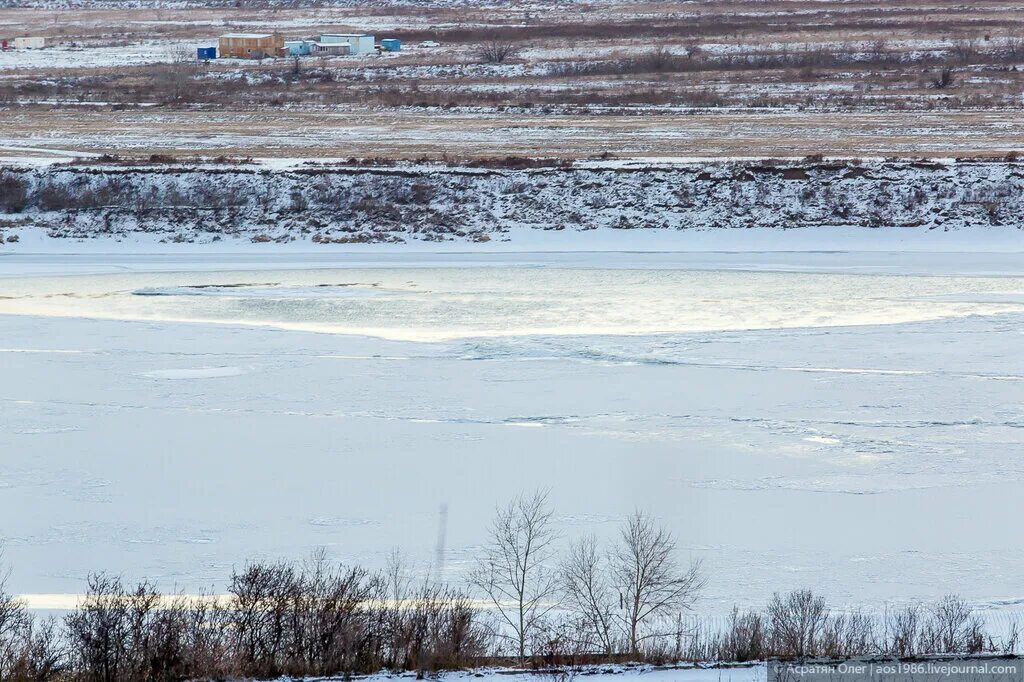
29	43
361	43
327	49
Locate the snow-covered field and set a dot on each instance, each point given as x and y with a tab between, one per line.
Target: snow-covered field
847	421
89	56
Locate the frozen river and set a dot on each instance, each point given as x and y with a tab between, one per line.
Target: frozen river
836	421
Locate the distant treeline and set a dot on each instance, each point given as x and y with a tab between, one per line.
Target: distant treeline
531	601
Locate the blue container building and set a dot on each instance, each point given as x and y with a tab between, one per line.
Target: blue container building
391	44
206	53
297	48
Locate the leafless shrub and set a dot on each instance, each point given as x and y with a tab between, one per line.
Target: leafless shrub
52	195
297	201
1014	47
320	619
661	59
174	78
42	653
30	650
14	192
560	647
439	631
965	50
952	628
744	638
847	635
902	629
119	635
13	621
518	162
496	51
797	623
1012	641
943	79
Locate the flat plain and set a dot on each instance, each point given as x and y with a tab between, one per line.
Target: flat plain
722	78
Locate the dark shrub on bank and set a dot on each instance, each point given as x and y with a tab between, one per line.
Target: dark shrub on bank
14	192
800	625
124	633
279	619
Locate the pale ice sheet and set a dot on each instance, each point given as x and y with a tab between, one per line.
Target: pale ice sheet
450	301
874	462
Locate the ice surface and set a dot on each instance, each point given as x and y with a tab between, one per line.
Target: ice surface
195	373
873	451
449	302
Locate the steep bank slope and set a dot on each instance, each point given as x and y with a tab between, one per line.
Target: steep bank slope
434	202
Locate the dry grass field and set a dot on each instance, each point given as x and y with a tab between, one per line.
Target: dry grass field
411	134
710	78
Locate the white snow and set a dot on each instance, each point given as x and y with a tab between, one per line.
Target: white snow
95	56
618	673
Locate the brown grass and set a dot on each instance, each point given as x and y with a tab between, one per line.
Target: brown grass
801	73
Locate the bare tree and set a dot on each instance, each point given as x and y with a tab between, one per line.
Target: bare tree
797	623
496	51
650	580
588	591
513	571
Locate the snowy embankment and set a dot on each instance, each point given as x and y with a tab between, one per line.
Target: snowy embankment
182	204
616	673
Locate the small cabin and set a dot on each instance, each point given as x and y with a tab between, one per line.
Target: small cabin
360	43
250	45
391	44
30	43
205	54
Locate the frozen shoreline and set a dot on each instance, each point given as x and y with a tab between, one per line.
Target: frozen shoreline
978	251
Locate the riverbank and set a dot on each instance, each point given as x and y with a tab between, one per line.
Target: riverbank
316	205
